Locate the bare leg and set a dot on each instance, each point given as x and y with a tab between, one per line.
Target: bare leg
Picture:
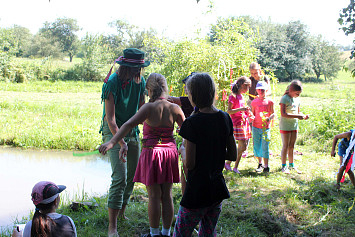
266	162
242	146
154	209
291	146
167	205
351	176
121	213
112	221
339	176
285	137
260	160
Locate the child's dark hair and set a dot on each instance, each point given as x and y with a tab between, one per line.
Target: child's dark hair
295	85
238	84
126	73
158	85
41	223
202	89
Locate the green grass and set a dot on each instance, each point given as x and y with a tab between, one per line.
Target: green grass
51	115
61	116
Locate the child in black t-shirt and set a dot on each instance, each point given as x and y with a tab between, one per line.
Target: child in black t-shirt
209	142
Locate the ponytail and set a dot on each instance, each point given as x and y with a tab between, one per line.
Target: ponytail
41	223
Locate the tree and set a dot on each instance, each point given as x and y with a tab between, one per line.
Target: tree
325	58
6	53
297	52
96	58
272	45
18	38
63	31
127	36
43	45
347	21
347	18
230	49
283	49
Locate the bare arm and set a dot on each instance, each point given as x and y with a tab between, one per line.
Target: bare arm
138	118
231	149
110	114
233	111
175	100
272	113
111	118
288	115
190	155
180	116
336	138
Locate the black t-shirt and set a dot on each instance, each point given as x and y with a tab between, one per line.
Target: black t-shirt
205	183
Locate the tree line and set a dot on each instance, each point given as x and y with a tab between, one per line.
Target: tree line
287	51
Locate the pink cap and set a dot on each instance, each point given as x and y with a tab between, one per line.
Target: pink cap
45	192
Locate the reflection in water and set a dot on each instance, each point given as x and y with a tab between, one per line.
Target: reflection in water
21	169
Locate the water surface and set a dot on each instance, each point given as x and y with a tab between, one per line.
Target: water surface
21	169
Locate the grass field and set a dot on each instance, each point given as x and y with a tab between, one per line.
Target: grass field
66	115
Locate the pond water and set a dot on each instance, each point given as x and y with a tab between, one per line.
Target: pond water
21	169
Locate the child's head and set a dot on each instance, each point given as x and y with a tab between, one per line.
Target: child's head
255	70
294	89
201	90
45	196
157	85
261	88
241	85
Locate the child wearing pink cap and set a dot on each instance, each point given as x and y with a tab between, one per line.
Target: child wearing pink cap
45	221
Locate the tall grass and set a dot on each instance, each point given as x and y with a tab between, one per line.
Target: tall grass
51	115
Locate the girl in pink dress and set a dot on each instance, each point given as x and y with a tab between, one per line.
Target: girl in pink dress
239	112
158	163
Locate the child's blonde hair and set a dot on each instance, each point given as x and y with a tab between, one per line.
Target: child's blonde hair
238	84
295	85
202	89
158	85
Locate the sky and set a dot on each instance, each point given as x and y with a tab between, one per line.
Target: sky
175	18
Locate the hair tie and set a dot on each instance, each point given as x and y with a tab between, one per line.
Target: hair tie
196	109
37	209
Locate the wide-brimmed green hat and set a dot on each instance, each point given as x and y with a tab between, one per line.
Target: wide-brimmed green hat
132	57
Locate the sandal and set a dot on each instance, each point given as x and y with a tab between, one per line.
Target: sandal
227	166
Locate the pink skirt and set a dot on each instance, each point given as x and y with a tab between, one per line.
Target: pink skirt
158	165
